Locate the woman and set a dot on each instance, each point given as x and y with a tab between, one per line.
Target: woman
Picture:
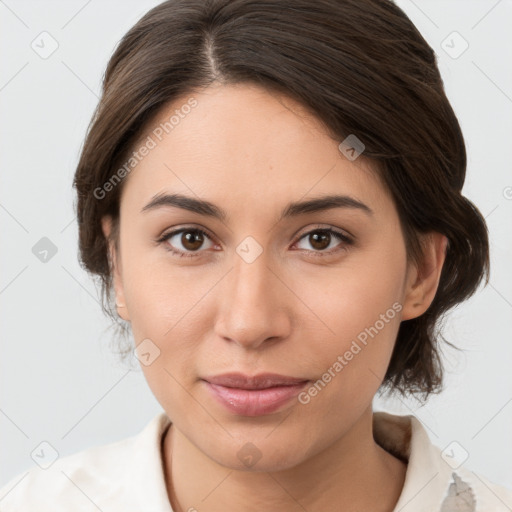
270	193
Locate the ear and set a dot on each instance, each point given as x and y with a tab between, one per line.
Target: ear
115	265
423	279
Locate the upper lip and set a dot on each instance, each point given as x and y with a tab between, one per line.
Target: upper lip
260	381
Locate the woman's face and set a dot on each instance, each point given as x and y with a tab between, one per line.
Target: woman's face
264	290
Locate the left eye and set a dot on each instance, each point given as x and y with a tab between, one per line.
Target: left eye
320	239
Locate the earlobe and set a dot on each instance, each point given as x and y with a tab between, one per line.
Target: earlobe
115	269
423	280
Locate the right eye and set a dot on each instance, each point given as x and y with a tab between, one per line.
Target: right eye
190	239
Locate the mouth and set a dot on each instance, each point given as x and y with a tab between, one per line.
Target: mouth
254	395
261	381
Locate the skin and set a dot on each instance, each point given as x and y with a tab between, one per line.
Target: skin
288	312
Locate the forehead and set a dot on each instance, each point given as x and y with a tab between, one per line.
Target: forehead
242	144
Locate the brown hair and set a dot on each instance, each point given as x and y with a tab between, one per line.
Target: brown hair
362	68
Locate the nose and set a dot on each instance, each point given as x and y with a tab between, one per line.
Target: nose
254	306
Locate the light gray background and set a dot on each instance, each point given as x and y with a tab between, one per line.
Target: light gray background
59	381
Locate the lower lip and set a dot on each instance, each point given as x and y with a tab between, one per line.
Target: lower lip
254	402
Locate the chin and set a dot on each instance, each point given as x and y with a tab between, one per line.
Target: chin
258	457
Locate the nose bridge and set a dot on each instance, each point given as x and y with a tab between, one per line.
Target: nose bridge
252	281
252	309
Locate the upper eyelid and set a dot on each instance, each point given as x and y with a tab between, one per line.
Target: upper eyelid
327	227
176	231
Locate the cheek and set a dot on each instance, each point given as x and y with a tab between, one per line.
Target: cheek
161	295
352	296
172	307
168	310
351	363
359	305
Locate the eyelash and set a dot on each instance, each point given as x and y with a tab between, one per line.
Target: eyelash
322	254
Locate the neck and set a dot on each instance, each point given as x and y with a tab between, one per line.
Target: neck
354	473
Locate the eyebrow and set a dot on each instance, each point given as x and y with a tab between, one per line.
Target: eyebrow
293	209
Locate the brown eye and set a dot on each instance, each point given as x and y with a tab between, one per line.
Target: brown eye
321	239
185	241
191	240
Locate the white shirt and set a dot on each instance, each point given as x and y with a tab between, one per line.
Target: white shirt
127	476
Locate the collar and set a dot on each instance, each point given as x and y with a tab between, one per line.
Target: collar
431	485
428	476
145	473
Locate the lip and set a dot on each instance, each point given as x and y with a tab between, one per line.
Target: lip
260	381
253	395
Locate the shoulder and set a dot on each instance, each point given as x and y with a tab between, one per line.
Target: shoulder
97	477
436	480
476	493
75	480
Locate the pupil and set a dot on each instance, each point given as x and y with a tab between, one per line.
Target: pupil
192	240
319	240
